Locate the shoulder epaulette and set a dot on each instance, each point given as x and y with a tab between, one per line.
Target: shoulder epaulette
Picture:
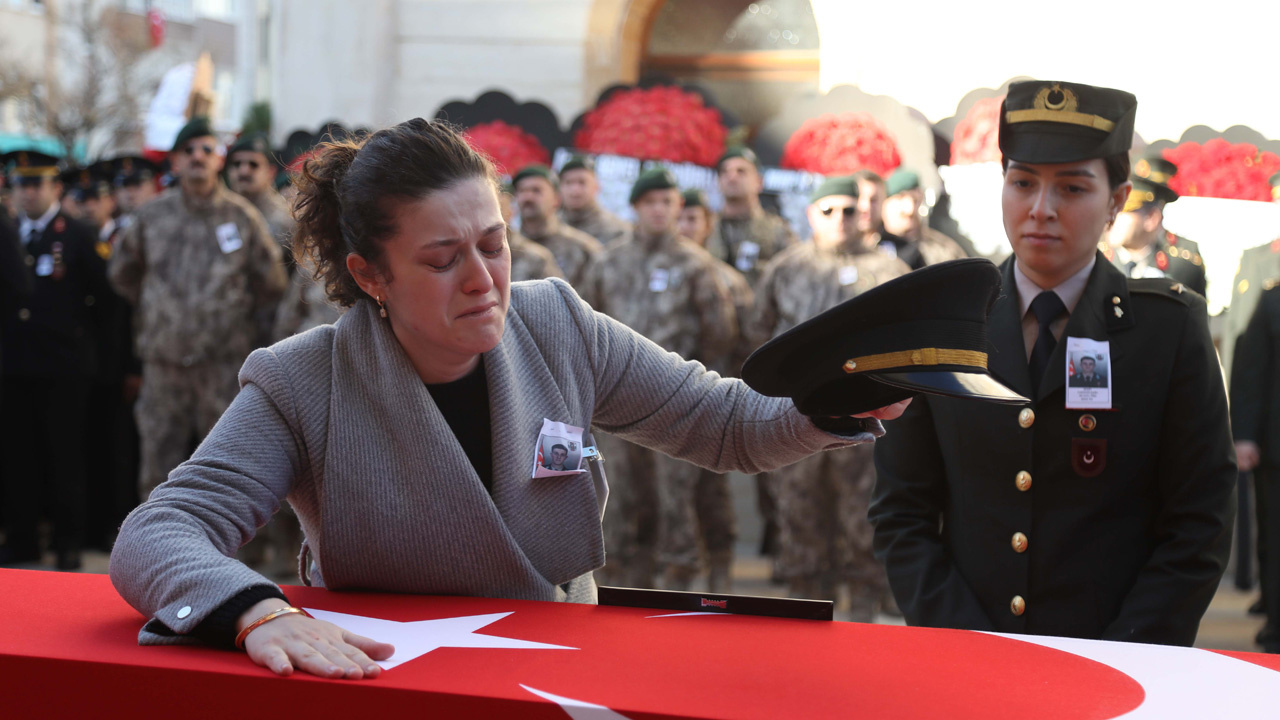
1164	287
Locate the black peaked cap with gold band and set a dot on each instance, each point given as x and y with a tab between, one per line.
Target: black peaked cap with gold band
31	164
1061	122
925	332
1150	178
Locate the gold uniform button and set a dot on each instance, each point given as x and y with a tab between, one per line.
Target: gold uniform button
1019	542
1023	481
1027	417
1017	605
24	314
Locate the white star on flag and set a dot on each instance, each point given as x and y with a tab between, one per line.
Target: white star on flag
417	638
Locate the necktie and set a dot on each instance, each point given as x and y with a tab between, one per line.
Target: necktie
1047	307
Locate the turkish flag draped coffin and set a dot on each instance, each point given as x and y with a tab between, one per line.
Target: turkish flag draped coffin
475	657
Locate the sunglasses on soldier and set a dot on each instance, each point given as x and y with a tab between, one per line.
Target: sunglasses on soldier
848	211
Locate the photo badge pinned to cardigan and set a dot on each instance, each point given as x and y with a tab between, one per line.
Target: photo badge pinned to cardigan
560	450
1088	374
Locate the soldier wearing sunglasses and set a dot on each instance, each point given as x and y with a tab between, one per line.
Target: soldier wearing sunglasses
200	266
824	536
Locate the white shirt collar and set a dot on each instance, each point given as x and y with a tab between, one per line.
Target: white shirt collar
1069	290
39	224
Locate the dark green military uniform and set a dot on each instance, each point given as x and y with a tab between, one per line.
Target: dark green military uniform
1255	417
1169	255
1108	524
1258	265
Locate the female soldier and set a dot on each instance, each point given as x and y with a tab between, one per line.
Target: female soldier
405	435
1092	512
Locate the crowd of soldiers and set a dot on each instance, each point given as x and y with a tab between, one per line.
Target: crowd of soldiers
128	310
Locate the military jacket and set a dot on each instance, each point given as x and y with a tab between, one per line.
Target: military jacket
51	331
276	211
1258	266
597	222
936	246
747	244
669	290
529	260
743	298
1178	262
804	281
1255	378
1111	524
573	250
198	272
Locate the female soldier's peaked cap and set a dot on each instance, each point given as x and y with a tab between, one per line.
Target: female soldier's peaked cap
1063	122
922	332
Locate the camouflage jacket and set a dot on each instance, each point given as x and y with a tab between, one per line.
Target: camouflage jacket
743	298
748	243
305	305
572	249
802	282
276	211
936	246
598	223
198	272
669	290
529	260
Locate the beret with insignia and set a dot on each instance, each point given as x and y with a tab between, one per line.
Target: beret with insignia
197	127
693	197
579	162
655	178
537	170
739	151
838	185
901	181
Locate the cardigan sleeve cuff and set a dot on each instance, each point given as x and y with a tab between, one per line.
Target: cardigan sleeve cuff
219	627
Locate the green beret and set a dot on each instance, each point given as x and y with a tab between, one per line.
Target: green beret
251	142
579	162
901	181
693	197
198	126
739	151
839	185
529	171
655	178
1046	122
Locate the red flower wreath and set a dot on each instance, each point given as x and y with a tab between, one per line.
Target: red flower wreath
841	144
510	147
658	123
1223	170
977	136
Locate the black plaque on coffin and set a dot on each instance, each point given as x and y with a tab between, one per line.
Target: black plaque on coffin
717	603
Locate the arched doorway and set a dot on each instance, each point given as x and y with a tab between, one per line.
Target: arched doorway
751	56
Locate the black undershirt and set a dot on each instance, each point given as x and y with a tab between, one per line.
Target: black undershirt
465	406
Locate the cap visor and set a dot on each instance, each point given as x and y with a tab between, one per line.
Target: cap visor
954	384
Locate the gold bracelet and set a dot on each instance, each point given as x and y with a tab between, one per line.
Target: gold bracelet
264	620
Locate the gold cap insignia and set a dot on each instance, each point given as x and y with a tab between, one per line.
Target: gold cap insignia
1057	99
1055	103
1142	169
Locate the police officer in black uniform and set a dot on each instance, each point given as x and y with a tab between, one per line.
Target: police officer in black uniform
47	368
1110	522
1139	245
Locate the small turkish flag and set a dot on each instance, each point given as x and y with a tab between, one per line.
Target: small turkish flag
1071	368
155	24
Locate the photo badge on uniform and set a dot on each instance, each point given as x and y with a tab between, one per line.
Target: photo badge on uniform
659	279
748	254
1088	374
229	238
848	274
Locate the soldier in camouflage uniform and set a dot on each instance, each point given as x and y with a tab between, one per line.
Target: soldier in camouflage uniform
825	539
714	502
537	197
578	190
871	196
667	289
198	263
1137	243
746	236
902	215
529	260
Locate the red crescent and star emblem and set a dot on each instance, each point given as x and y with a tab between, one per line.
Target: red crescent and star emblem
1162	260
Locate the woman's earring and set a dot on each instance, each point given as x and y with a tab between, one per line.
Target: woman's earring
382	309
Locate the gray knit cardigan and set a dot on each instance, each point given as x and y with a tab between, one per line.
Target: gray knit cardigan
336	421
